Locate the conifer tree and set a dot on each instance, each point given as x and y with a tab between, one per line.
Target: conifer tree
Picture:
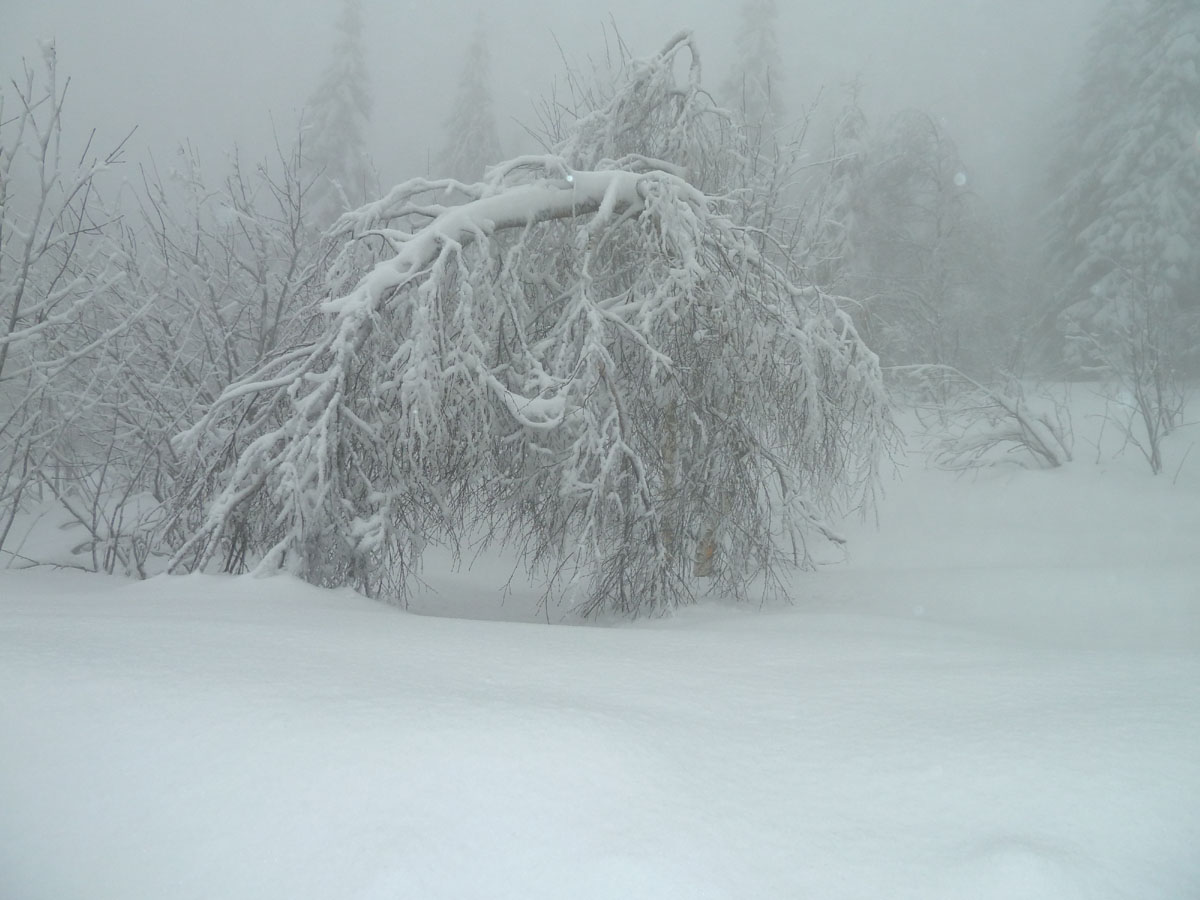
472	142
338	114
908	239
753	86
1126	225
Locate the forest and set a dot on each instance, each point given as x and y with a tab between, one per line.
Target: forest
664	347
751	460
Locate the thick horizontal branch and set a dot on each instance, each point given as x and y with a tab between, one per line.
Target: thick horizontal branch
609	193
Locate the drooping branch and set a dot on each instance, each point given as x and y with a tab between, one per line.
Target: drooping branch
590	355
310	382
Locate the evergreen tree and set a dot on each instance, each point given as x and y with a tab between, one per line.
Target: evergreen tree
1126	225
910	241
338	114
753	87
837	220
472	142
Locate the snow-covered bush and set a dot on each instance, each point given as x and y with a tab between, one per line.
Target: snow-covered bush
977	422
226	265
1140	352
59	268
591	356
337	170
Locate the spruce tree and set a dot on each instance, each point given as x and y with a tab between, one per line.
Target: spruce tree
1126	224
472	142
839	217
338	114
583	358
921	259
753	86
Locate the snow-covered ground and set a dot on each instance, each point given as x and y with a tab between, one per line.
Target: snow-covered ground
996	696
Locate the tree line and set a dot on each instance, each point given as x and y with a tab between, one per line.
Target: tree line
655	358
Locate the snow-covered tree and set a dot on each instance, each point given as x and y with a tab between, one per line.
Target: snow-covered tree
230	265
909	240
1126	226
337	118
59	267
591	354
753	86
162	313
472	141
840	201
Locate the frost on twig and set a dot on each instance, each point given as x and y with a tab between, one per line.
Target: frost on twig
59	268
589	354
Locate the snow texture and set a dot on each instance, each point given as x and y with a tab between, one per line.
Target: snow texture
998	697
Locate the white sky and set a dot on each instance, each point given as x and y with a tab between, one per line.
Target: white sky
217	72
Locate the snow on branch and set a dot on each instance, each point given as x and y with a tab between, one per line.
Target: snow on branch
590	355
978	419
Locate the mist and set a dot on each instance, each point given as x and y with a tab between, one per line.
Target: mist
236	72
731	451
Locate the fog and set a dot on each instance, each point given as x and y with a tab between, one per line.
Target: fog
229	72
886	438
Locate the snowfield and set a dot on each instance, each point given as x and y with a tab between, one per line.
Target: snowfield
996	696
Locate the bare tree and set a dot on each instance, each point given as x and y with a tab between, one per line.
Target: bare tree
1137	343
58	264
975	421
203	283
337	117
230	267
